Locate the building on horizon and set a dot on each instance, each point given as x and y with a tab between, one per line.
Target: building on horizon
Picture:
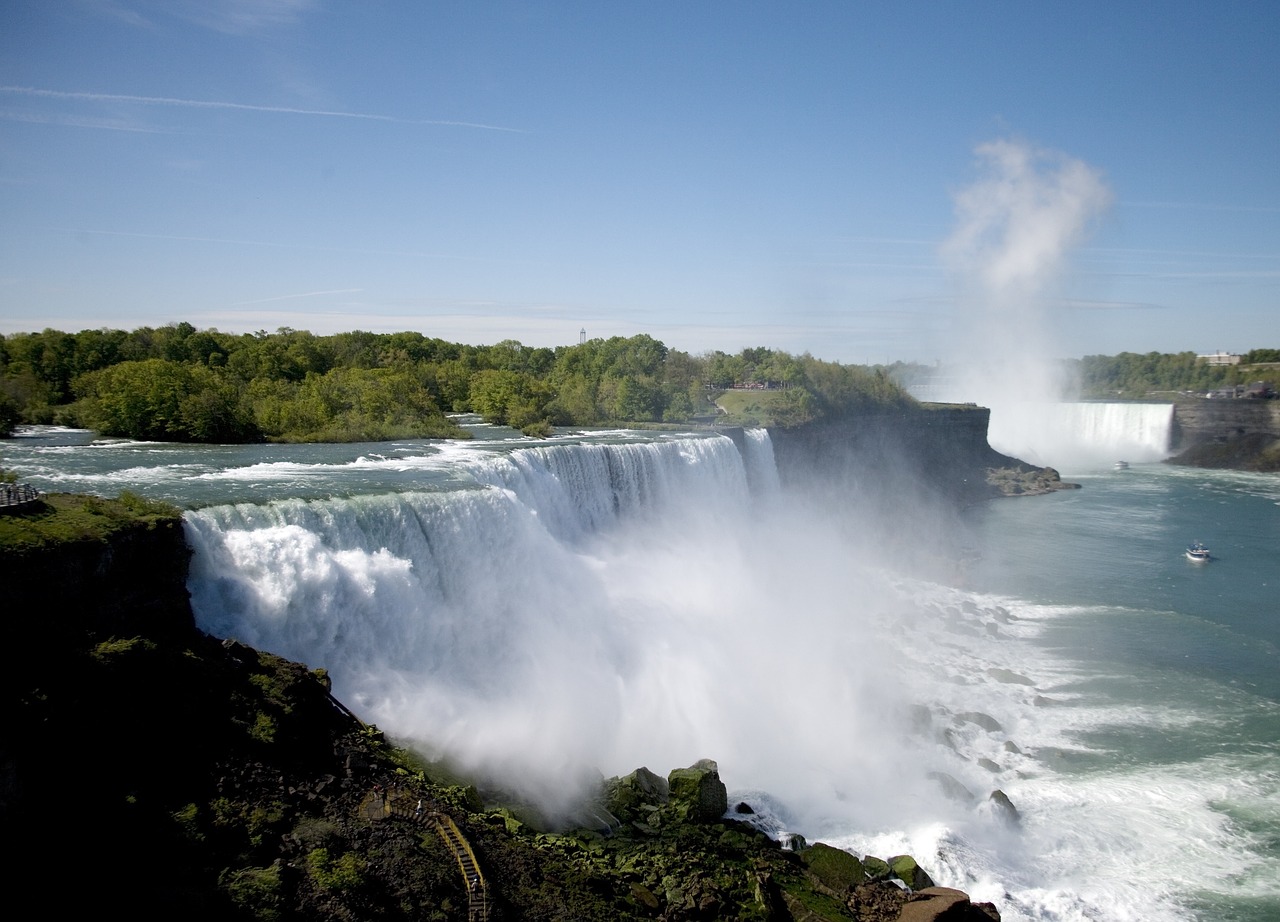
1220	358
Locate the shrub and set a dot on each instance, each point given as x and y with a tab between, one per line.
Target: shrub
255	891
335	874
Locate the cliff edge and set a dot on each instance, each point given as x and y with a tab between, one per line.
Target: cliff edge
937	451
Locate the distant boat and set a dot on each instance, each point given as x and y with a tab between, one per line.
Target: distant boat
1122	465
1198	553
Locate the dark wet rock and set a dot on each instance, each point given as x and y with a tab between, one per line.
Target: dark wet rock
1004	807
875	868
979	719
952	788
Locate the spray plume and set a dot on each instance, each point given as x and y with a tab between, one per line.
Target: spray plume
1016	227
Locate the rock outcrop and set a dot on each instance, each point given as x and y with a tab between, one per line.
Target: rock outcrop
936	452
697	793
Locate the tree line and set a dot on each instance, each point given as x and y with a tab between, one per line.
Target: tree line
180	383
1133	375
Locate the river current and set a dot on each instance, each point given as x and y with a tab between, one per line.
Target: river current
549	611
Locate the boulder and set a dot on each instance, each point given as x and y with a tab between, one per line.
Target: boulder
942	904
985	721
627	797
696	793
904	868
952	788
1004	807
835	867
876	868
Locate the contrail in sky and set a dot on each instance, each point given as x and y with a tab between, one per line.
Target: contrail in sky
240	106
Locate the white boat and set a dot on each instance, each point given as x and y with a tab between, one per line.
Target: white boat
1198	553
1122	465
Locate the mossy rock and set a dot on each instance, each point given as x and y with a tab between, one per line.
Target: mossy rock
697	793
904	868
835	867
634	796
876	868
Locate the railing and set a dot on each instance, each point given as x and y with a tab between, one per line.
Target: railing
14	496
406	807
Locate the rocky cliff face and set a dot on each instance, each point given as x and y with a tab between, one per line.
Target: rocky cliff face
1239	433
132	583
935	452
1210	420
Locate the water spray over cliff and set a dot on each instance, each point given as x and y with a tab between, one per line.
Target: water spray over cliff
591	608
1016	227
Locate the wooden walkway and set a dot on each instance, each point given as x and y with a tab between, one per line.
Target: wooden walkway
379	805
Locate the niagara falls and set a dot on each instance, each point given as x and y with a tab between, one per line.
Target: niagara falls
548	613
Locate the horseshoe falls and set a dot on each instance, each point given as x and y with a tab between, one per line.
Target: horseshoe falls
1084	434
547	613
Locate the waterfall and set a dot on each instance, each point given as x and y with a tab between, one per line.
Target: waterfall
1082	435
551	613
762	471
502	623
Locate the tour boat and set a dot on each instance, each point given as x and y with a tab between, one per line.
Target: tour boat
1198	552
1122	465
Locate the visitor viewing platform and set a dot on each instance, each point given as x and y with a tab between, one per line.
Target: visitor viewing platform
17	497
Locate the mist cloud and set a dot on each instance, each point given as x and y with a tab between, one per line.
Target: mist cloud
1017	223
1017	226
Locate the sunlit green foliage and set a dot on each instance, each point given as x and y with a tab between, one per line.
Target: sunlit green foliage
510	398
163	400
80	517
177	383
254	891
336	874
1131	375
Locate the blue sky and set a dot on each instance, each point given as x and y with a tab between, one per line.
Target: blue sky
718	175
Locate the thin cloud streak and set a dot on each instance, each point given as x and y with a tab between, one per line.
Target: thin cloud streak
242	107
304	294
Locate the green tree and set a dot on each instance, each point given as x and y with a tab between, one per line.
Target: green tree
510	398
159	399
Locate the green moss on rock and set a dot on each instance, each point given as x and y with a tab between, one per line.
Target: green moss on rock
835	867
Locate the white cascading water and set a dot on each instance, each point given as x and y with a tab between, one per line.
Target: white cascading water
1078	436
583	609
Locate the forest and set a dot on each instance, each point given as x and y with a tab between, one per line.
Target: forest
1134	376
178	383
